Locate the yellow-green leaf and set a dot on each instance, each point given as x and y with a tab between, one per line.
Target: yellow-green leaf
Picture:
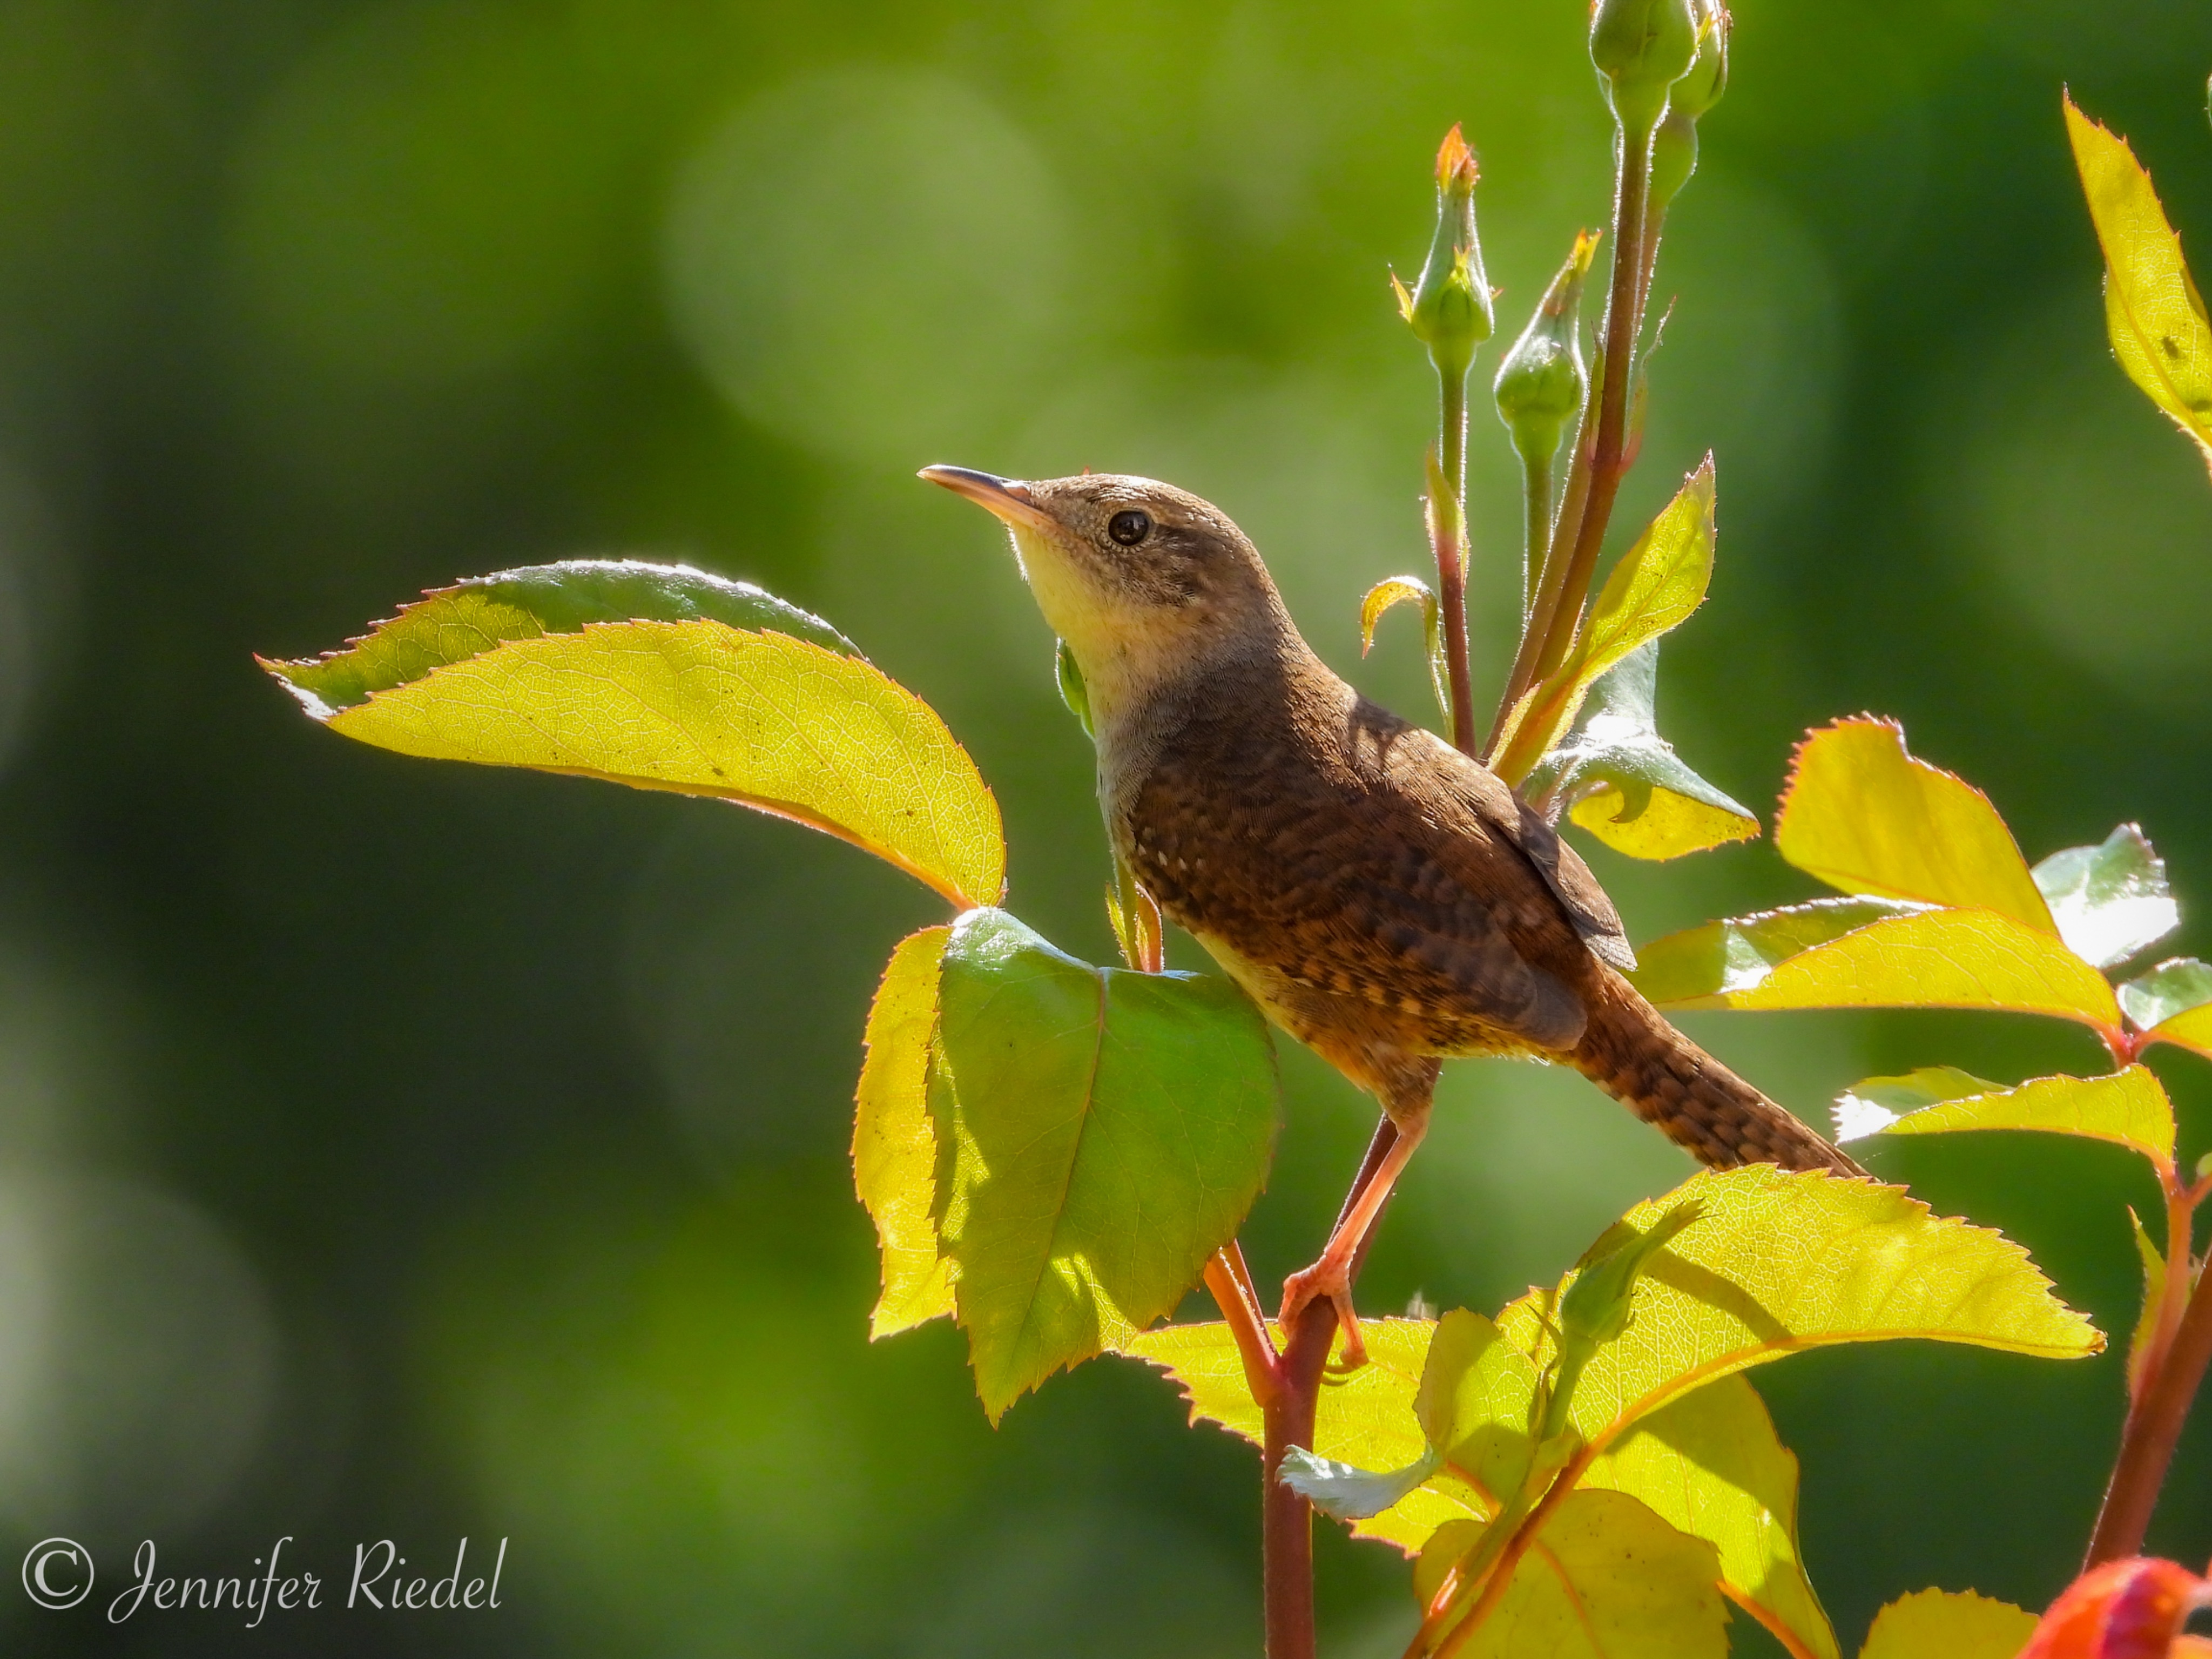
1656	584
1873	1103
1918	959
1710	1464
1409	590
893	1145
1778	1262
1365	1417
2128	1108
1862	814
1606	1579
2172	1003
453	624
1475	1400
1624	783
1935	1624
768	721
2153	1270
1699	965
2152	308
1108	1129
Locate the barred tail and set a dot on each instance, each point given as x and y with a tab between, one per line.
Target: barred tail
1631	1051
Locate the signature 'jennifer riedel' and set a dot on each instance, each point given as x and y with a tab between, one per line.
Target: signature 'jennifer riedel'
378	1582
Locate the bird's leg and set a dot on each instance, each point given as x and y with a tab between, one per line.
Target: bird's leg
1331	1274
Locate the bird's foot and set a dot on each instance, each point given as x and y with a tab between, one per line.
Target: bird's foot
1332	1280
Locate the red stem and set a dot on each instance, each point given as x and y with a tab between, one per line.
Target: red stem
1286	1521
2154	1423
1232	1291
1595	477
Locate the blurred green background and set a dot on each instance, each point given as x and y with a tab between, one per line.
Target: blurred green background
392	1150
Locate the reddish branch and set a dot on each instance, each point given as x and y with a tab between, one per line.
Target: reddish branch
2156	1417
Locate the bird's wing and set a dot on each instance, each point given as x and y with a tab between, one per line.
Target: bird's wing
1351	886
1434	771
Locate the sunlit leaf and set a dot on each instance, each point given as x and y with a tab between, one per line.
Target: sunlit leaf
1655	585
2173	1003
2152	308
2153	1271
2122	1610
453	624
1916	959
1865	816
1872	1104
2173	987
767	720
1607	1579
1933	1624
1710	1464
1112	1129
2128	1108
1699	966
1475	1402
1624	783
2110	901
1778	1262
893	1145
1364	1417
1409	590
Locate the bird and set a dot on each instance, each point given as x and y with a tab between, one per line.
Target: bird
1385	899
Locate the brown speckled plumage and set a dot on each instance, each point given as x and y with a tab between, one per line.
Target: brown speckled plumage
1384	898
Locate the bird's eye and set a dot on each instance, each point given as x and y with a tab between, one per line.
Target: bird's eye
1130	527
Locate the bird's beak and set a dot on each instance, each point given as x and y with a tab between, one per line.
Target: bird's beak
1008	498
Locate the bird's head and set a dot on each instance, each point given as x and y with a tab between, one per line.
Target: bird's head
1143	581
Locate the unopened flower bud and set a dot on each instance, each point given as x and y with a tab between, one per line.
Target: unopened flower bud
1641	48
1450	306
1674	143
1674	157
1706	79
1540	383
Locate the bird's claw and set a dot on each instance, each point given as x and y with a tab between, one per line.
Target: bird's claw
1327	1279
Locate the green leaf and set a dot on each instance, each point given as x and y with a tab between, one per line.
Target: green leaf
2173	987
1409	590
1872	1104
1908	958
1111	1130
1623	783
1365	1418
1475	1401
1864	814
1655	585
1073	691
2110	901
2172	1003
2153	1270
894	1144
1778	1262
1936	1624
778	724
2128	1108
1710	1464
2152	308
453	624
1607	1579
1701	966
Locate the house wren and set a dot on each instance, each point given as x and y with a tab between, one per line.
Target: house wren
1387	900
